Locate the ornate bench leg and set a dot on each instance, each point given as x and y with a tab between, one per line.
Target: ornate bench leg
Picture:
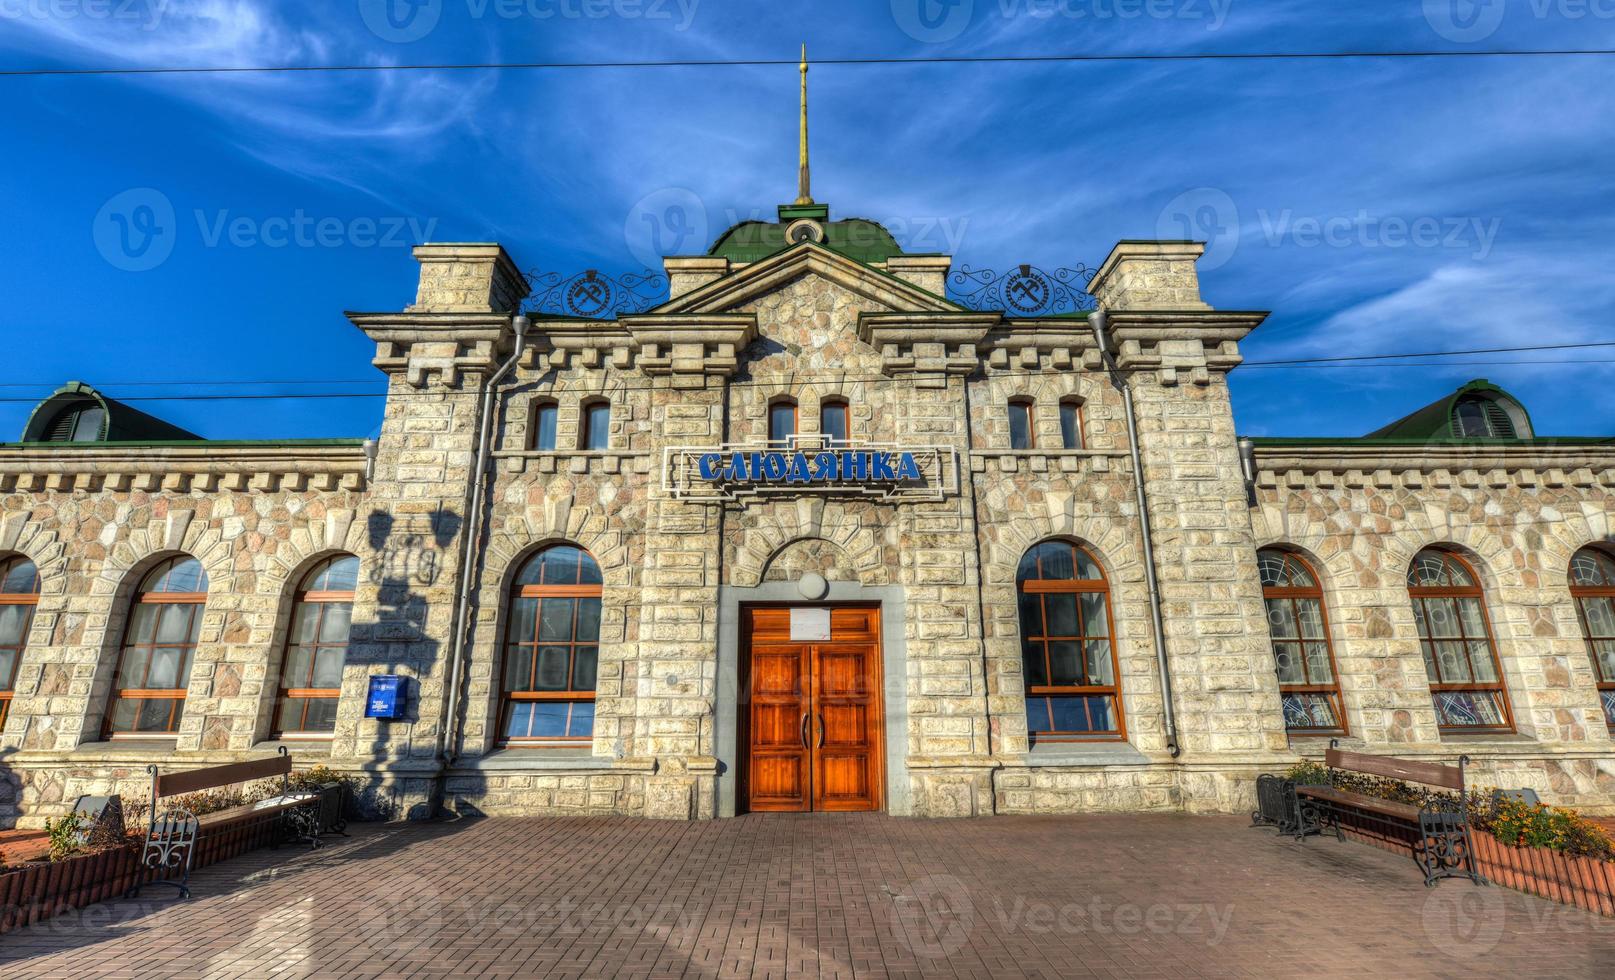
169	844
1443	849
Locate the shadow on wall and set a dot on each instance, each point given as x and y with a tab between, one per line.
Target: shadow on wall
407	556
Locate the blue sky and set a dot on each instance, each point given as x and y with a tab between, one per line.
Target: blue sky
1373	206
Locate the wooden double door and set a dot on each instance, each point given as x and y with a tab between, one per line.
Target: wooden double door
811	726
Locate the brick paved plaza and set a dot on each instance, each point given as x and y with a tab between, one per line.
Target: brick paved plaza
820	896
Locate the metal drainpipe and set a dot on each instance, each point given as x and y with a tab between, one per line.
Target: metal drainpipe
479	471
1097	321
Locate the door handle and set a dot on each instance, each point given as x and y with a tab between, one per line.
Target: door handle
805	717
821	729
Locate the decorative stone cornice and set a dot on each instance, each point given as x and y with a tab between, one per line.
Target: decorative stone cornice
1054	344
204	467
435	347
1174	343
691	347
1351	466
927	343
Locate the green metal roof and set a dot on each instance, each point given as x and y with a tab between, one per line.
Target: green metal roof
1436	420
858	239
119	422
184	443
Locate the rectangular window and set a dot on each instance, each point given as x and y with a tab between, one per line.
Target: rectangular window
1020	425
781	423
596	425
544	427
833	423
1070	425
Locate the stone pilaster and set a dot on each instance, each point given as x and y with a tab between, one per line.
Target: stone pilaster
437	356
1175	362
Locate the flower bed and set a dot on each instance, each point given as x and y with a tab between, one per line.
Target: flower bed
33	891
1552	852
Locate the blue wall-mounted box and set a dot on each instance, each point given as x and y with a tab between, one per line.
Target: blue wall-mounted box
386	698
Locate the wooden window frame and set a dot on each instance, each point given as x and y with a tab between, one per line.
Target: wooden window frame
1076	587
586	426
540	405
1578	593
1075	405
8	683
198	603
1499	688
508	699
835	404
1290	594
768	421
324	598
1025	405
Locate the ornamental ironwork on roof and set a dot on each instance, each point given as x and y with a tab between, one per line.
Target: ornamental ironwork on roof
1023	291
593	295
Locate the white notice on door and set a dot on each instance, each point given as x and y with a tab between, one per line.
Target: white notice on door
808	624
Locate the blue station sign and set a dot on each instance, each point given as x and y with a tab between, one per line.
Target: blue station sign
808	465
798	467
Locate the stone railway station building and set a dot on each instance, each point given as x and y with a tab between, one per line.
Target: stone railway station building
807	535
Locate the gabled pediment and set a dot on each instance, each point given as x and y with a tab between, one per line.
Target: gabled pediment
806	258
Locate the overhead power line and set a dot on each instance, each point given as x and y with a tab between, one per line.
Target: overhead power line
851	62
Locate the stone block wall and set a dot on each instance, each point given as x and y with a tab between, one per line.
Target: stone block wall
1517	516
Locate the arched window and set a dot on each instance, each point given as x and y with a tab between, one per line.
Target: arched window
316	646
1067	645
19	594
1592	583
594	432
1484	418
1020	424
154	666
781	422
1455	635
82	421
1070	424
1302	654
552	648
541	429
833	422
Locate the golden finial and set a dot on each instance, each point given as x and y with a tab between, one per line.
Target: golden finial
803	195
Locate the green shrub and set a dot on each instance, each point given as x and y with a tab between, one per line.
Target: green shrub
64	835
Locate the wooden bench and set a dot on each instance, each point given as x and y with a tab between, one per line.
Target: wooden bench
171	838
1442	847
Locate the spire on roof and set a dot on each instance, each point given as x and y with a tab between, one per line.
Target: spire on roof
803	194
